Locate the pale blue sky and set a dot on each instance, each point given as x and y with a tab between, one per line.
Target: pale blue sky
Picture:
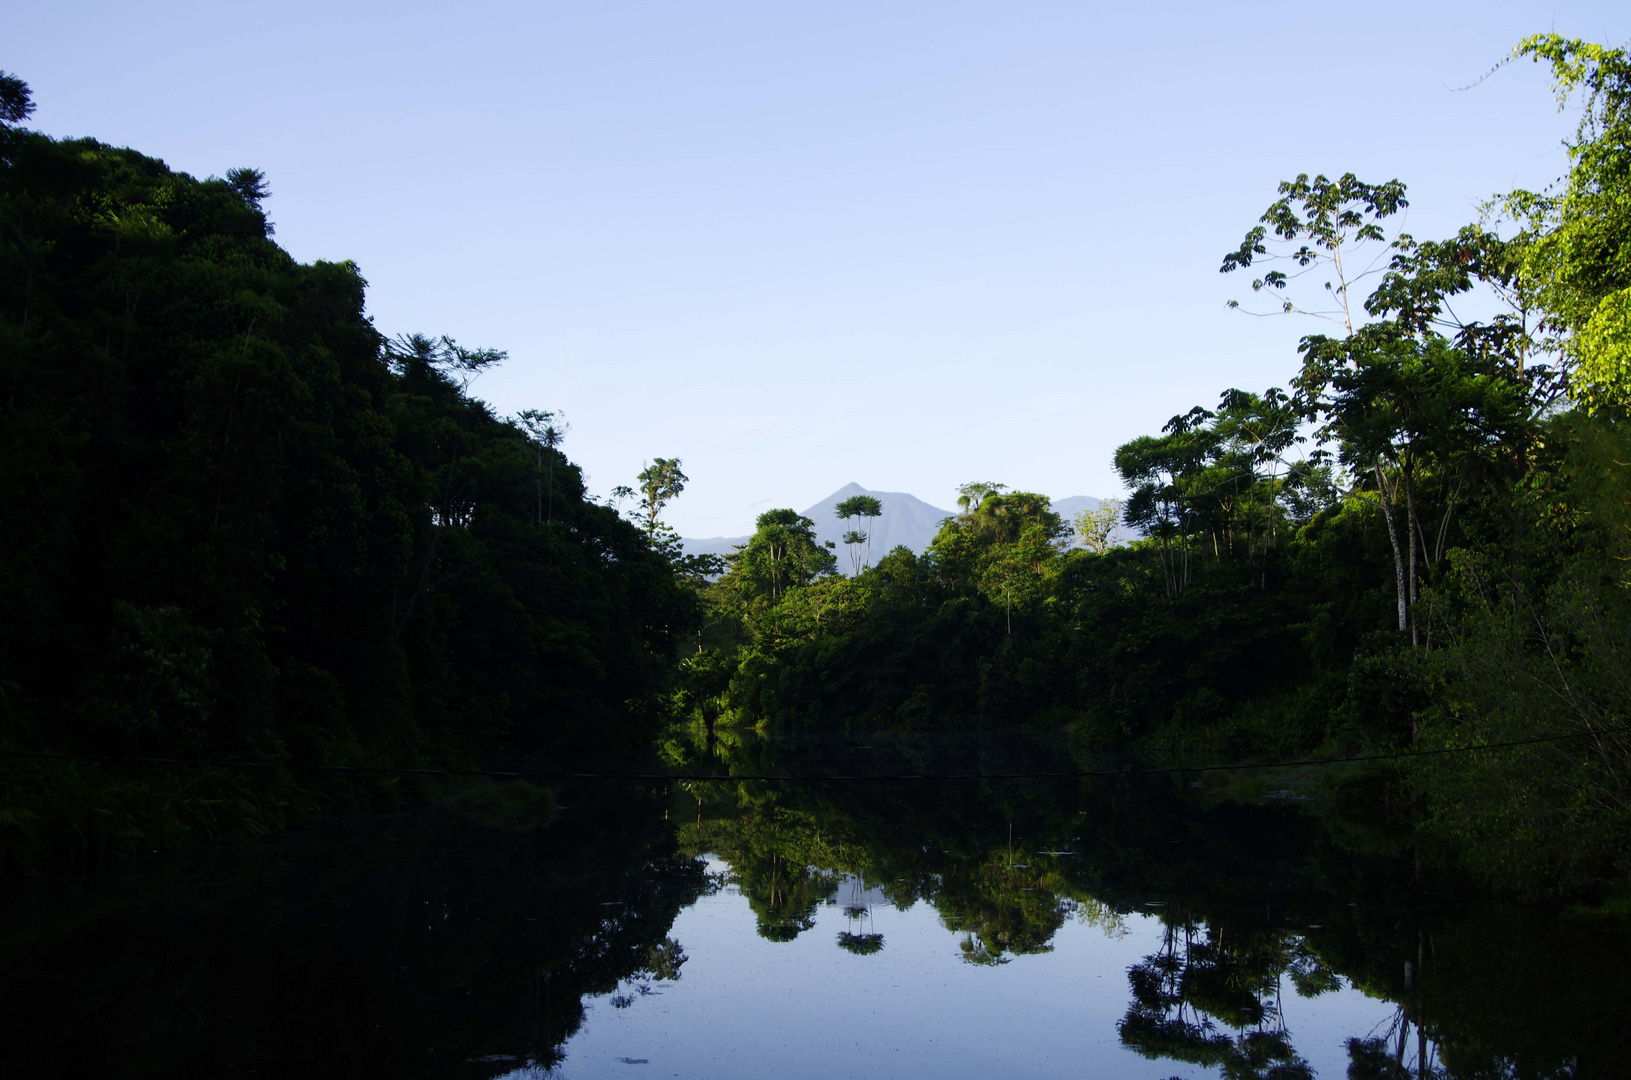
797	245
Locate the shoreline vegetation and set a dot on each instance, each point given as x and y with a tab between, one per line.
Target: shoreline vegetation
241	523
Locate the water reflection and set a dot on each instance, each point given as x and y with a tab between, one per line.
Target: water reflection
1256	903
1204	982
425	946
474	942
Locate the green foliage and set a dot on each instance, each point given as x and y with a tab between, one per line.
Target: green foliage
853	509
1316	225
1094	528
1578	259
238	523
1444	567
782	554
1541	656
660	483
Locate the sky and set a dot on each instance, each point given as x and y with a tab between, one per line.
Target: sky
797	245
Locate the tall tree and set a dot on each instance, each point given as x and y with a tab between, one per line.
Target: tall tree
872	510
660	483
1161	471
1334	229
1007	548
853	510
546	430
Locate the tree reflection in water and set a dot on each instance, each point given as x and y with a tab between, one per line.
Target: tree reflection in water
858	914
441	946
1204	980
1261	901
426	946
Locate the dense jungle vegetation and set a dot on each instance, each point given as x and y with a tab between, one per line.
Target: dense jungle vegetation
238	522
1421	543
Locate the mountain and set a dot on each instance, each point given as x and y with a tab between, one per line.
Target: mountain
906	520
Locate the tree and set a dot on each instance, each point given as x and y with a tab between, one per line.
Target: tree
546	430
660	483
871	509
971	495
250	185
414	355
1255	431
1337	227
16	101
1320	226
16	105
1160	471
1578	260
1408	408
853	509
1007	548
1094	527
853	541
783	553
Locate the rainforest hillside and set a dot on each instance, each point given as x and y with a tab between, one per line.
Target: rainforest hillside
239	522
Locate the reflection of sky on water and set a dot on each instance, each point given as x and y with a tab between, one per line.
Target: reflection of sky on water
748	1007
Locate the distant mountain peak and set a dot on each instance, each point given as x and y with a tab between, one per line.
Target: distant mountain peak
907	521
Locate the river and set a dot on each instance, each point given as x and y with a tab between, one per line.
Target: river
1022	926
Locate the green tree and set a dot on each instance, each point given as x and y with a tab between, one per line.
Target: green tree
783	553
1337	230
1094	527
1007	548
660	483
1409	408
853	509
1161	472
1578	259
971	495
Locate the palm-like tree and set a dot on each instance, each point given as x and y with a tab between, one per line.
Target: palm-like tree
853	509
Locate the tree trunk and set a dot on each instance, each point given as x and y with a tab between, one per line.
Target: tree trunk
1413	535
1393	538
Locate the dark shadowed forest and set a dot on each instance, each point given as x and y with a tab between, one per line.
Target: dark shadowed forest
241	523
243	526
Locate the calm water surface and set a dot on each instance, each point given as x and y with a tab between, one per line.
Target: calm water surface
1019	927
748	1007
